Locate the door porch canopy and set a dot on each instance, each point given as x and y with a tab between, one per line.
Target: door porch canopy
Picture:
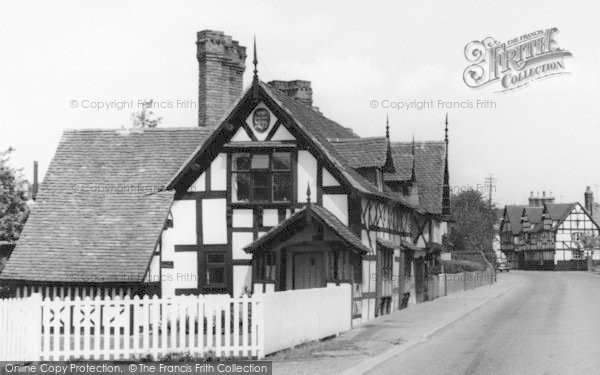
311	230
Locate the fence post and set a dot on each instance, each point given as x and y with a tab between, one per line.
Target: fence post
445	281
260	307
35	334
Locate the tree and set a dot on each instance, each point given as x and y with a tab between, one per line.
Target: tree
13	200
589	241
144	118
473	226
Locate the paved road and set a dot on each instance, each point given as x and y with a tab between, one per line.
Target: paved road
549	324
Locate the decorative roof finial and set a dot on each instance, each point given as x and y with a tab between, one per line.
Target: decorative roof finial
387	127
446	131
255	61
308	194
388	167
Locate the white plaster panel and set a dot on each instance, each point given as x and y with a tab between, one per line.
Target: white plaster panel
199	184
307	175
337	204
242	218
185	269
282	134
218	173
238	241
214	222
328	179
270	217
242	278
240	136
168	283
153	274
184	228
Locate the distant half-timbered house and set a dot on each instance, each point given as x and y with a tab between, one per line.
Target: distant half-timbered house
266	193
548	237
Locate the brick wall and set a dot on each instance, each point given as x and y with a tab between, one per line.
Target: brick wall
221	67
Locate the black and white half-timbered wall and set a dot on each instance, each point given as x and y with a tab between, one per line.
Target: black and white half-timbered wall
266	193
548	235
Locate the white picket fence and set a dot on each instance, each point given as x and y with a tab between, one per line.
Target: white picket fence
115	328
202	326
19	335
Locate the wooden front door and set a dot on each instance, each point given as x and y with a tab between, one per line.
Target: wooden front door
419	279
309	271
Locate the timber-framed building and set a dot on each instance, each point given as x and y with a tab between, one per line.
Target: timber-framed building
265	193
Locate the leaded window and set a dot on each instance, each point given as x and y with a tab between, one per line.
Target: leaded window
261	177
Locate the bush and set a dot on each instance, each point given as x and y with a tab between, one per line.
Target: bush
458	266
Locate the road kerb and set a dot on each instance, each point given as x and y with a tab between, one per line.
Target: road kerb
370	363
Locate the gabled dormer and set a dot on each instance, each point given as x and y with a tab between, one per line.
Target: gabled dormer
525	225
370	157
546	219
265	122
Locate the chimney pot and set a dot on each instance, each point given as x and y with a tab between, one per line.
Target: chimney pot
298	89
589	200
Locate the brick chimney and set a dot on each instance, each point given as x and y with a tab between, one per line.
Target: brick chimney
589	200
222	63
299	90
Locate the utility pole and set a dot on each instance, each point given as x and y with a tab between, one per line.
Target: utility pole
490	182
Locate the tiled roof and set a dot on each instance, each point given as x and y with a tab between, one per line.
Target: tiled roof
559	211
362	152
402	164
316	127
534	214
514	214
430	159
100	211
299	217
321	130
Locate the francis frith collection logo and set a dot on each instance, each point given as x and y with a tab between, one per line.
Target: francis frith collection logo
515	63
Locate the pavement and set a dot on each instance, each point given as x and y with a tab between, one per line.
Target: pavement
382	339
547	325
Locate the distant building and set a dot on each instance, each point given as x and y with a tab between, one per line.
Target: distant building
547	235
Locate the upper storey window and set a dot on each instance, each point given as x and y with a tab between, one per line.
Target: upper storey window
261	177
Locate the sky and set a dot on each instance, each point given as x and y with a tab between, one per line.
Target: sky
59	57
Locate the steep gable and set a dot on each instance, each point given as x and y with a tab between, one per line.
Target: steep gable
303	122
430	164
514	213
558	211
